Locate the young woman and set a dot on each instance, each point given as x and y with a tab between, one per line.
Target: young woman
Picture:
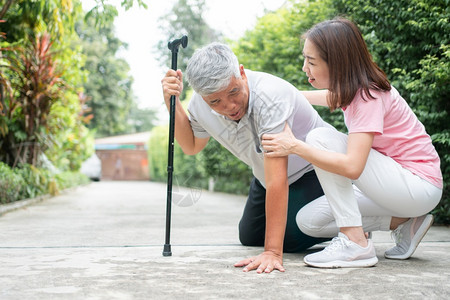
384	175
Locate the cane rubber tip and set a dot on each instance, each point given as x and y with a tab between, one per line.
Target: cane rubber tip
167	251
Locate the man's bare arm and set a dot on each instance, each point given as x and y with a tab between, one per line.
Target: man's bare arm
172	84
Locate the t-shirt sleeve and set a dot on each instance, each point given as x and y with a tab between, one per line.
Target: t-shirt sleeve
198	130
272	114
365	115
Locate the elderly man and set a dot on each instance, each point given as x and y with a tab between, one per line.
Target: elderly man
236	107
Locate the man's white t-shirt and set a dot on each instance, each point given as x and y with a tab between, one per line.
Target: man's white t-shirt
273	102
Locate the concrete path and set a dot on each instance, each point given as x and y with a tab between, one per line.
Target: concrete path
105	241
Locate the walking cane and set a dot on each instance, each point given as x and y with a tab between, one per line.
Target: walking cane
173	46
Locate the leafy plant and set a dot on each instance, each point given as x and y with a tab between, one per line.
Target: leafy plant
185	17
274	46
27	181
11	184
230	175
108	85
34	83
104	13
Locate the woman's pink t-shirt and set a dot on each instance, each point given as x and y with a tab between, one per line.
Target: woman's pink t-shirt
398	132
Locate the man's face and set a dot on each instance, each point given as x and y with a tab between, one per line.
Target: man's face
232	101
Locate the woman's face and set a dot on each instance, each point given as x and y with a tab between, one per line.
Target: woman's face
315	67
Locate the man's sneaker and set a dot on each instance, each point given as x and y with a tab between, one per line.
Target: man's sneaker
407	236
343	253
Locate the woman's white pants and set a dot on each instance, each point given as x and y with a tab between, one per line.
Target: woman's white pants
384	190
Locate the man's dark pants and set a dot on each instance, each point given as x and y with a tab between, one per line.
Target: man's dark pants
252	226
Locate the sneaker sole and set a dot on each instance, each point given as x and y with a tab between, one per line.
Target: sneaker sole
423	229
363	263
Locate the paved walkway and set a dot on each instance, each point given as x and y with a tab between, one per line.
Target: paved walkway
105	241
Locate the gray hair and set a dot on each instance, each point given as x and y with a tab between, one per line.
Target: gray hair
210	68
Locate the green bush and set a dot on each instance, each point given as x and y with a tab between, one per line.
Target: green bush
36	180
187	169
157	153
230	175
11	184
70	179
28	181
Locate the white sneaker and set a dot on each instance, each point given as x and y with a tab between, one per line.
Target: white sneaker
343	253
407	236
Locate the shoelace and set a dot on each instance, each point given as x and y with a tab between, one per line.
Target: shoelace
397	235
336	244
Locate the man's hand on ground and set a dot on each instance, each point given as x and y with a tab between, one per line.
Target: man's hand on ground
265	262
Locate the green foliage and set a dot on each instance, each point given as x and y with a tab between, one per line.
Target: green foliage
41	77
27	181
112	107
185	18
104	13
33	84
11	184
275	46
27	17
69	179
40	110
186	171
108	84
157	153
409	40
229	174
141	119
71	136
37	180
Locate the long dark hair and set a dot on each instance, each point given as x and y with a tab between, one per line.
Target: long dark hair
342	47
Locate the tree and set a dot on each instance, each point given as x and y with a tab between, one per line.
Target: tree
104	13
33	85
141	119
41	95
185	18
108	84
40	73
25	18
274	45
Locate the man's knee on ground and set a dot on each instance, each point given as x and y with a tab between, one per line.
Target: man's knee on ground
248	240
249	237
